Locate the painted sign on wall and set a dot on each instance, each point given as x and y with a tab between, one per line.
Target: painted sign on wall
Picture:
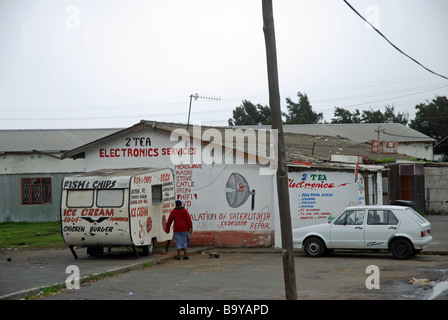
317	195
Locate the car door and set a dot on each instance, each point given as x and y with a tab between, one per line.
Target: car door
347	231
381	225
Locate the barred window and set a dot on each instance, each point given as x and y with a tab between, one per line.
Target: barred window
36	191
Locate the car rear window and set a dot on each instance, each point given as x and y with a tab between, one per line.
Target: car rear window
415	214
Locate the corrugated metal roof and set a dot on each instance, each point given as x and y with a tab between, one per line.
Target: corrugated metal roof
359	132
363	132
298	146
49	140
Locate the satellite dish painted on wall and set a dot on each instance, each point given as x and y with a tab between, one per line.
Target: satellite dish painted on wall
238	191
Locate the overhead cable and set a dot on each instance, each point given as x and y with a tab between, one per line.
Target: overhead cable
398	49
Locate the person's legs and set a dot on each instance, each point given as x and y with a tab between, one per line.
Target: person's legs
181	239
177	237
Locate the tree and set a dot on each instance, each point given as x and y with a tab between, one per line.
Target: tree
344	116
431	118
298	113
390	116
370	116
250	114
301	112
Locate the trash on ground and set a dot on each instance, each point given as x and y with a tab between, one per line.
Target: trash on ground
415	281
212	255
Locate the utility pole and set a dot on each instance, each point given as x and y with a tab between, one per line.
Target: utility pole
379	131
282	171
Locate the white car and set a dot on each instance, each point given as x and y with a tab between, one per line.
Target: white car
396	228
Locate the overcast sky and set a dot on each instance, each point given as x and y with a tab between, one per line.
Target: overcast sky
105	63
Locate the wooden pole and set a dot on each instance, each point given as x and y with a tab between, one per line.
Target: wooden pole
282	171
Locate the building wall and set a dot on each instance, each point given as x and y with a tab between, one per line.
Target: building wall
231	204
416	150
317	195
11	207
436	190
14	167
38	163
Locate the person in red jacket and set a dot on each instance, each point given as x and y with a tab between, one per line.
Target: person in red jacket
183	227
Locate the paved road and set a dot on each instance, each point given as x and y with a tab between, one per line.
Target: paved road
237	274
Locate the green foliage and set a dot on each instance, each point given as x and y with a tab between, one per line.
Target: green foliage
342	115
385	160
31	235
250	114
431	118
298	113
301	112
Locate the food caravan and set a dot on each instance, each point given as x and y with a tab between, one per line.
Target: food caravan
117	207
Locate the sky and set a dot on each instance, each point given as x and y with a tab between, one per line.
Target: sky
112	63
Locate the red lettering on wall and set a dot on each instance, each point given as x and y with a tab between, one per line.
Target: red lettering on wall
128	153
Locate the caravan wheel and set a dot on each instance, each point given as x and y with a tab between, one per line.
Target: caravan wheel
94	251
149	249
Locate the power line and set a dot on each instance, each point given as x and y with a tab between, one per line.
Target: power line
381	100
396	48
383	93
398	135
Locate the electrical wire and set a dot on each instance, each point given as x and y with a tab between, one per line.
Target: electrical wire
383	93
377	101
399	135
398	49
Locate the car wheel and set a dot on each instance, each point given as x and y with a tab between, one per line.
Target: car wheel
402	249
314	247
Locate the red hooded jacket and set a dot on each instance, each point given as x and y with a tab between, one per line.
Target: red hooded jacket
182	220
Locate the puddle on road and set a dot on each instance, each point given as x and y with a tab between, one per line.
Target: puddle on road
438	289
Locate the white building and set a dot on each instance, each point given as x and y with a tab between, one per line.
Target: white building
31	170
226	187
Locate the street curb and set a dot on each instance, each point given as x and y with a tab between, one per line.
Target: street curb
84	279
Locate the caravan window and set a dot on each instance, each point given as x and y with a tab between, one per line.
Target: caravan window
110	198
156	193
79	198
